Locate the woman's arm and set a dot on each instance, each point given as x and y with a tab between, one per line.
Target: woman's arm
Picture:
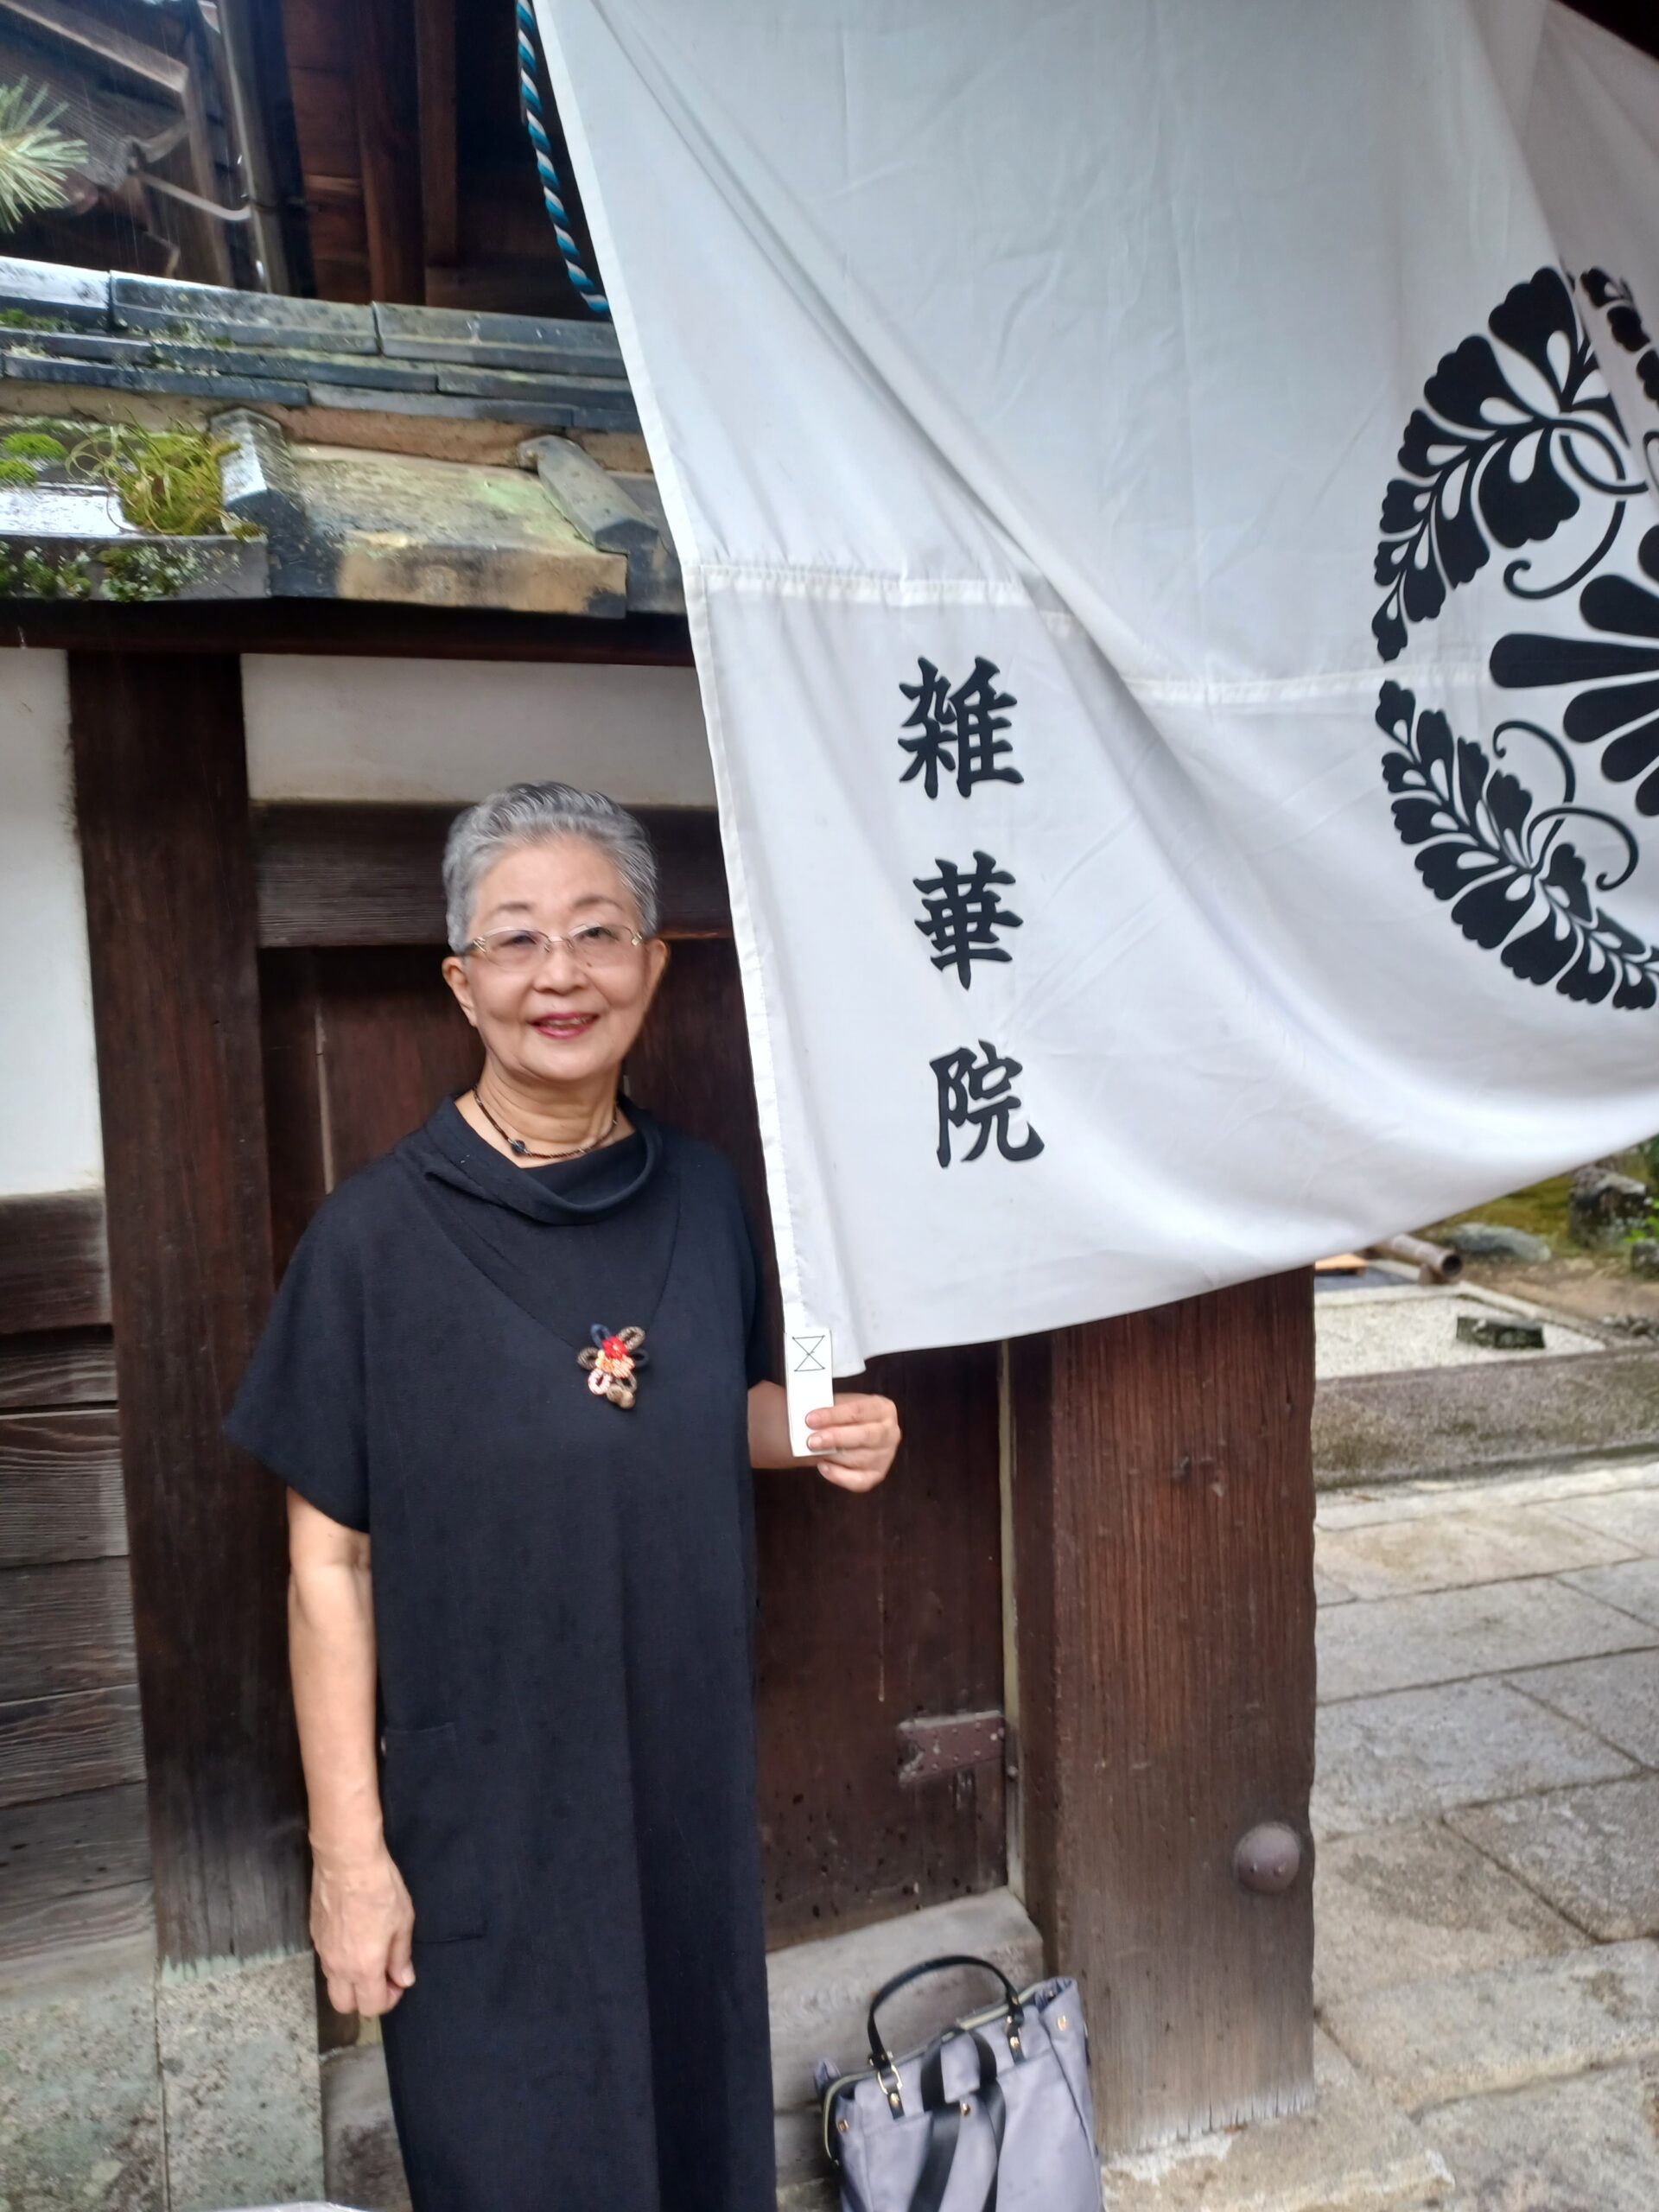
852	1442
361	1917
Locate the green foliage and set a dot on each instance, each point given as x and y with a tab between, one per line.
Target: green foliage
167	484
145	572
26	573
26	319
36	156
24	454
32	445
167	481
131	573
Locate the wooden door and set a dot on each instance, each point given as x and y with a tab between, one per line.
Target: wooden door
876	1614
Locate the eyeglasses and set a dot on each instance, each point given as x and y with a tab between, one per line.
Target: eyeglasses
597	945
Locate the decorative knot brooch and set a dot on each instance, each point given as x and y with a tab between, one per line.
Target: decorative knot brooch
614	1364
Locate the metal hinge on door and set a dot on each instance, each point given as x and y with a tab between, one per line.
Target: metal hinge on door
935	1744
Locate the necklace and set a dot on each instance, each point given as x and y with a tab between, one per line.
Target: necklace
522	1151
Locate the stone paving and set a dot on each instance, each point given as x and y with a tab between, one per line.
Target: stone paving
1487	1820
1486	1899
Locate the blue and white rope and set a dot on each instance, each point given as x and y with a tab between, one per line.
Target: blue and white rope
530	102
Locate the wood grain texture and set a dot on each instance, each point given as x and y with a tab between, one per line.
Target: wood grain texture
316	36
55	1746
434	65
394	1043
54	1265
64	1367
340	875
386	97
65	1627
61	1496
68	1847
874	1610
162	804
1164	1523
291	1035
50	1934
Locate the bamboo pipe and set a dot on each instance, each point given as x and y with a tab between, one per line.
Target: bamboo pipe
1433	1262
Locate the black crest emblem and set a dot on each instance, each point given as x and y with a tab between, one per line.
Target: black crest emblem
1519	448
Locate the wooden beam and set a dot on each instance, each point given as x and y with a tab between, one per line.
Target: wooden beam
65	1627
55	1746
331	626
69	1847
71	1367
434	65
162	802
54	1271
1163	1511
59	1929
60	1486
136	64
361	875
389	144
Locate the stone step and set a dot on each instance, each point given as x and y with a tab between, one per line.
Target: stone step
1454	1421
1348	2152
819	1994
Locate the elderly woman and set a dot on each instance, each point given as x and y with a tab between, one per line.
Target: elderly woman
514	1383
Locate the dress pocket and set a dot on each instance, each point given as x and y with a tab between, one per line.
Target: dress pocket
429	1833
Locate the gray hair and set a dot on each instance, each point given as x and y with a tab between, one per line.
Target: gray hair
530	814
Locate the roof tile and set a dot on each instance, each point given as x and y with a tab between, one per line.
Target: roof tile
45	287
184	383
535	343
252	318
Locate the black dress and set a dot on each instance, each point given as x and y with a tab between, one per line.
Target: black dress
563	1601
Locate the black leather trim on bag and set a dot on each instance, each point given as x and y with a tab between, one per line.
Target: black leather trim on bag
944	2131
880	2054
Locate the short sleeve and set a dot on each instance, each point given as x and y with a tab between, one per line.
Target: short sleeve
301	1411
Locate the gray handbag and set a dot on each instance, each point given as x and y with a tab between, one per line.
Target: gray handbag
993	2115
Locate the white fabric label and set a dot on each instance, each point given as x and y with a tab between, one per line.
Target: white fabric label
809	1384
1166	495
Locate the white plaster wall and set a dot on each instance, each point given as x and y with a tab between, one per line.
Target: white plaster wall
49	1136
333	727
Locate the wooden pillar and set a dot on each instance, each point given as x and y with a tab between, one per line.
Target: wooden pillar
161	795
434	59
1163	1519
385	83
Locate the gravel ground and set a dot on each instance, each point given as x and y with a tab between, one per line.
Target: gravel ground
1582	1286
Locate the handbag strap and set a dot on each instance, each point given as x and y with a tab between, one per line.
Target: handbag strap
944	2128
879	2052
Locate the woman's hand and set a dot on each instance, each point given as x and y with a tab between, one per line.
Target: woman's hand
853	1440
361	1917
362	1924
851	1443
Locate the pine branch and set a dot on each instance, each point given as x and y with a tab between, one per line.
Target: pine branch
36	156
